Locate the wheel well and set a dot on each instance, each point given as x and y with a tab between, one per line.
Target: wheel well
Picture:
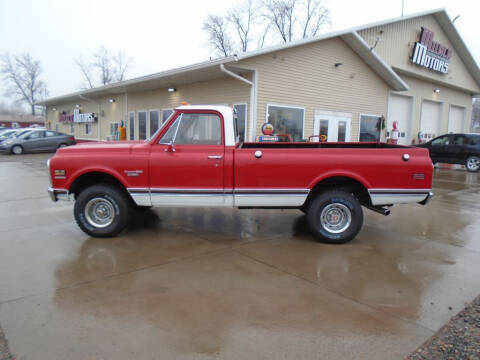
95	178
340	183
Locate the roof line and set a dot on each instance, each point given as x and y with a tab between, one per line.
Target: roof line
439	13
174	71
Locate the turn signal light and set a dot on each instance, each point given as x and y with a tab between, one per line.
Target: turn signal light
60	172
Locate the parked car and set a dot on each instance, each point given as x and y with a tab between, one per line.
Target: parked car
197	160
4	129
462	149
35	140
5	134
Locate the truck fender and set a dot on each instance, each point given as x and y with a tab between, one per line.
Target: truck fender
105	170
342	173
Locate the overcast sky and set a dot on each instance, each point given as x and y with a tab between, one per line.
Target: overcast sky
164	34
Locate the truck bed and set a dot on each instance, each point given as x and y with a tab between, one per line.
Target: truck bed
314	145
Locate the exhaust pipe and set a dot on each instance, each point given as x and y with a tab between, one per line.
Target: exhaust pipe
378	209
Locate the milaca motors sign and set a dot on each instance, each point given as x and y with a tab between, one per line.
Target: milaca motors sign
430	54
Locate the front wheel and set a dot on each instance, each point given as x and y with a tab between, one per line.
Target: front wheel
17	150
473	163
335	216
101	210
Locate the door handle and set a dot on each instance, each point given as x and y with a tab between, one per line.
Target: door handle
217	157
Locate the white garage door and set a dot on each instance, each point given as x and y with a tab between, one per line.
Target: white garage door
431	121
400	109
456	119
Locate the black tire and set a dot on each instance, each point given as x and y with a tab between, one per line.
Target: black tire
115	204
141	208
335	203
19	150
473	163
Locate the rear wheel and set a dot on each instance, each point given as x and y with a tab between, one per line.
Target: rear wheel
101	210
17	150
62	145
335	216
473	163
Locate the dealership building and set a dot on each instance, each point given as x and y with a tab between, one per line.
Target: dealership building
348	85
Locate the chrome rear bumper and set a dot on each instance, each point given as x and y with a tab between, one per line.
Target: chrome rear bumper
381	197
58	194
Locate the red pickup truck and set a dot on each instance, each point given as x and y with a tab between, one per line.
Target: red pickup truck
196	160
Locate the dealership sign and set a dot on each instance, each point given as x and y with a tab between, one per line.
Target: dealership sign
430	54
77	117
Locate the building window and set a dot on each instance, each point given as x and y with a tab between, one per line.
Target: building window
370	127
154	121
166	114
88	128
131	125
72	128
287	120
142	125
114	130
241	119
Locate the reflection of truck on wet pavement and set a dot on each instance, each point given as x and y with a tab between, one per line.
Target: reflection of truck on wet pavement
196	160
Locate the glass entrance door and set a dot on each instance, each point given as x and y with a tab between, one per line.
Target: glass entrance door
336	128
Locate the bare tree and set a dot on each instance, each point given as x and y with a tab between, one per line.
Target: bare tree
13	108
263	36
122	65
102	61
315	15
256	20
218	37
242	18
281	14
86	70
104	67
22	74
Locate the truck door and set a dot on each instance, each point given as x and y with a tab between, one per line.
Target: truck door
186	165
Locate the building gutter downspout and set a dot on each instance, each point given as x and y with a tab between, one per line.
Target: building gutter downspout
253	98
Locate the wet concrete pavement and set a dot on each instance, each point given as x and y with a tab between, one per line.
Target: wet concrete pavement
230	284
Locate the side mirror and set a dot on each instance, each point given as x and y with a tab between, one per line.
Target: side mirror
170	147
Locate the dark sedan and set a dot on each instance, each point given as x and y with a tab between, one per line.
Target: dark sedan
36	140
462	149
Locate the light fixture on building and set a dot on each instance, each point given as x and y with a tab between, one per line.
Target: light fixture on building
54	109
77	106
171	89
338	64
436	90
111	100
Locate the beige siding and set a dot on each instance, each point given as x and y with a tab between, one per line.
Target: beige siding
221	91
421	90
396	43
227	91
306	77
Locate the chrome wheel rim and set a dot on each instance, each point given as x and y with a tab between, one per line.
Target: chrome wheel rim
17	150
335	218
63	145
473	163
99	212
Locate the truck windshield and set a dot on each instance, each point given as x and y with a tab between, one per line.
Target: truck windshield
160	128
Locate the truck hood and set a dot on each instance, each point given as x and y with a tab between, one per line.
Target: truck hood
101	146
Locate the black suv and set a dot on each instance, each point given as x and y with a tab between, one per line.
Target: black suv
463	149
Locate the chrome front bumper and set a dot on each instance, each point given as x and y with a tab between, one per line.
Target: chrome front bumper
58	194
